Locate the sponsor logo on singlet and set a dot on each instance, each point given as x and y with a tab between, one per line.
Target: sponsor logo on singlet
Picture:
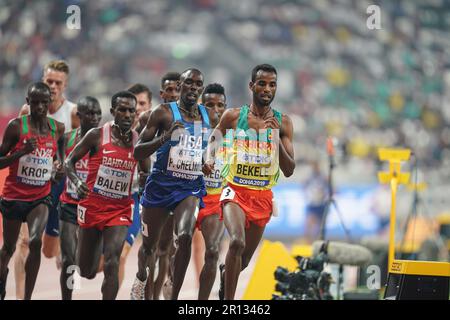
255	163
185	158
114	178
35	169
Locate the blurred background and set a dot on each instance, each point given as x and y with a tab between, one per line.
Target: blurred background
365	88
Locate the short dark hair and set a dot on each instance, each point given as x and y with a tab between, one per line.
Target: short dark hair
122	94
190	70
138	88
170	76
216	88
39	86
84	102
263	67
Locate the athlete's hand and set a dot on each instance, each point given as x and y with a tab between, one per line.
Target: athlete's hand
58	171
272	123
142	179
208	167
82	189
29	145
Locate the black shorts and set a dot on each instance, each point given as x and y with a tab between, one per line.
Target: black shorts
19	210
68	212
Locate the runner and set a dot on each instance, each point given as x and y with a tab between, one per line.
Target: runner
29	149
105	209
176	183
56	76
169	92
251	171
144	103
208	222
90	114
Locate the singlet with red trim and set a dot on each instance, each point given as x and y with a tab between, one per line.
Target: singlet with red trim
29	176
69	194
110	174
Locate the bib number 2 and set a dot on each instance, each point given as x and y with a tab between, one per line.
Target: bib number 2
81	214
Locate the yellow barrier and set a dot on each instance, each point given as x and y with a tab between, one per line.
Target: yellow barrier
262	283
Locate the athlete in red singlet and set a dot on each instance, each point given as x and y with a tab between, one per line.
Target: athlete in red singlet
29	149
208	219
105	209
90	114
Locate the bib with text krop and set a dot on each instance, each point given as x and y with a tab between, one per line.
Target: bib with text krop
35	169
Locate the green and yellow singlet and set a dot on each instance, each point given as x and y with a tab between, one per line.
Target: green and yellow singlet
252	159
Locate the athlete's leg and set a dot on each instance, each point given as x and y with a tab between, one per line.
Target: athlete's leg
11	229
163	255
253	235
36	220
50	241
234	219
123	259
185	220
89	250
153	220
132	232
212	231
100	263
149	286
19	261
69	240
167	286
198	254
113	239
50	246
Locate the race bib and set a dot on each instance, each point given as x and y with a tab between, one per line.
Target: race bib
81	211
71	189
185	159
215	179
34	171
227	194
113	183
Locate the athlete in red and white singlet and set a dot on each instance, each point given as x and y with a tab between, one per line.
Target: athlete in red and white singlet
89	114
105	208
208	220
110	176
29	149
29	178
70	195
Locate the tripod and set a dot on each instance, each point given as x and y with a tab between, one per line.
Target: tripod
414	214
332	202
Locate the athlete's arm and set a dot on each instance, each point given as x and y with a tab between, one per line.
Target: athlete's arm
59	168
143	168
10	139
158	122
286	149
142	121
89	142
227	121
